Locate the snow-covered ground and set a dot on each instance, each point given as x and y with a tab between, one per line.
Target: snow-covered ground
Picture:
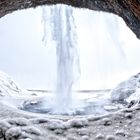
93	102
16	124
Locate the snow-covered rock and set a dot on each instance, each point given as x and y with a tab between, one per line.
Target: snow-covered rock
13	133
11	94
126	89
56	124
31	130
4	126
77	123
8	86
18	121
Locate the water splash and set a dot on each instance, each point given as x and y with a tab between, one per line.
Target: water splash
60	21
60	31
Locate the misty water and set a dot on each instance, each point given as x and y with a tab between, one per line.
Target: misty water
76	54
60	21
59	28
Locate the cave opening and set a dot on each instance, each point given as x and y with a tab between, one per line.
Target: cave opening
107	50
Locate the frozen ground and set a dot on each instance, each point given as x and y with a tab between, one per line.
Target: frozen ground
16	124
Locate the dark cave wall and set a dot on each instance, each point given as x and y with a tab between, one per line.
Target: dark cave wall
129	10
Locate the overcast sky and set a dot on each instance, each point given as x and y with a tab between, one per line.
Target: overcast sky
108	50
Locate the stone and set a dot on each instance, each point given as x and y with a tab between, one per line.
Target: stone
52	138
26	139
110	137
78	123
4	126
106	122
39	120
124	90
94	118
56	124
100	137
85	137
59	131
129	116
120	133
18	121
32	130
14	132
83	132
71	138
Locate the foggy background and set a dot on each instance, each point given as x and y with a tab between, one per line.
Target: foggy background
108	50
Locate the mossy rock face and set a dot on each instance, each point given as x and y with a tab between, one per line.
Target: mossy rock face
129	10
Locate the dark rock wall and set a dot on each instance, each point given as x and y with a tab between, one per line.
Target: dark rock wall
129	10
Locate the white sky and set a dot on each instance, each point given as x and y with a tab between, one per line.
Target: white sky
108	50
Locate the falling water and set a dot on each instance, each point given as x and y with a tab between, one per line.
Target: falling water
60	34
61	23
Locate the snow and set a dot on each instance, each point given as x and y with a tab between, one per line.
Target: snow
127	90
11	94
13	132
77	123
18	124
9	88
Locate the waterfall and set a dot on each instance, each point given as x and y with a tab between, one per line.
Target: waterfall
59	26
60	33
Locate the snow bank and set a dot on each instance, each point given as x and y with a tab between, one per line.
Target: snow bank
126	89
8	86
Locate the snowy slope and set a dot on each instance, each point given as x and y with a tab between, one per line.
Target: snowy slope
127	90
8	86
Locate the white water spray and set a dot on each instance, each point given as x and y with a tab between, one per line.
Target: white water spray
61	23
59	31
